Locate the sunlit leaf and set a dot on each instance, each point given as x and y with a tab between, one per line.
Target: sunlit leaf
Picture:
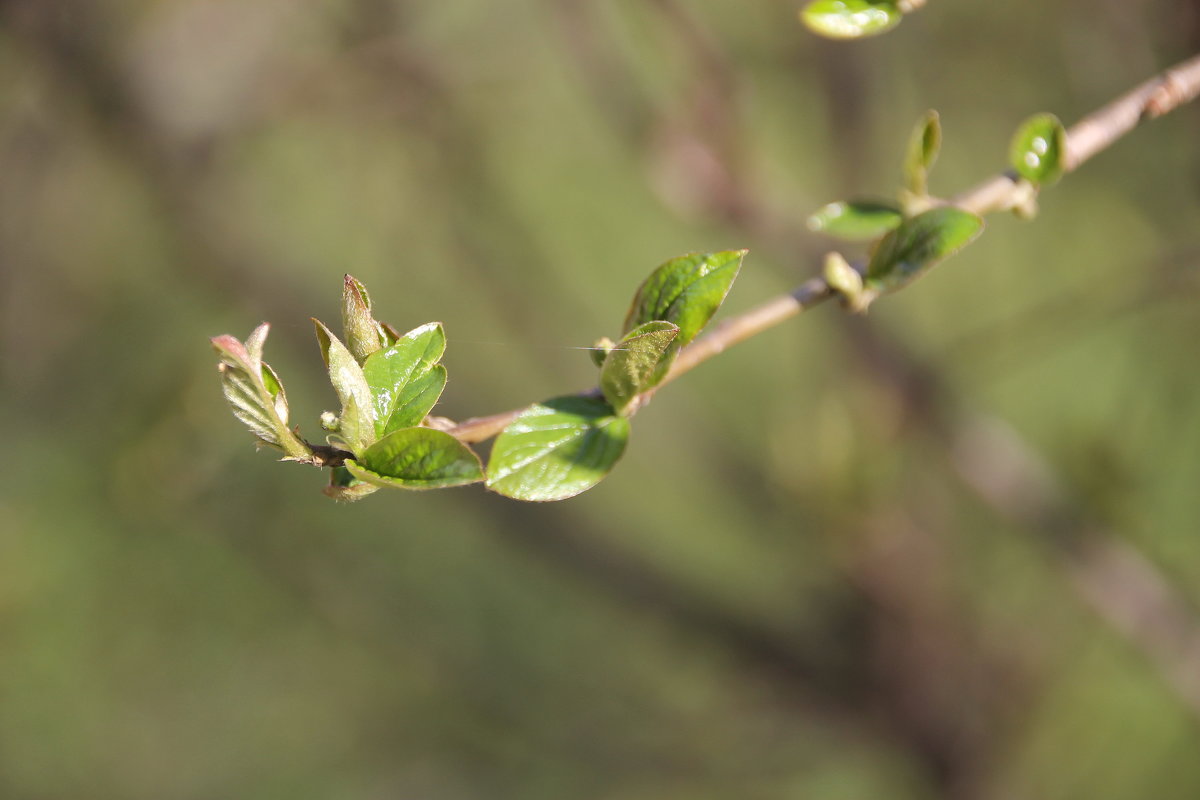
255	393
850	19
357	418
405	379
1038	149
918	244
364	335
417	458
632	365
275	389
855	219
557	449
686	291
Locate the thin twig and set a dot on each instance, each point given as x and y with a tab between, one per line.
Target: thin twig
1091	135
1099	130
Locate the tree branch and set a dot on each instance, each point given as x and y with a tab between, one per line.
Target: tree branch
1088	137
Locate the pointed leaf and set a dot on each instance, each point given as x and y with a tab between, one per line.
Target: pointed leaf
357	420
850	19
405	378
275	389
255	393
364	335
1038	149
417	458
686	291
255	343
248	405
632	365
855	219
918	244
557	449
923	148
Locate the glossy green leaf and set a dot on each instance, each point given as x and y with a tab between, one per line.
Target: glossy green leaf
918	244
923	147
405	378
255	393
855	219
364	335
686	291
850	19
557	449
357	418
632	366
1038	149
345	488
417	458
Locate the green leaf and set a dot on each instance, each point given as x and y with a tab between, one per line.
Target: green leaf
345	488
686	291
600	349
255	393
557	449
405	378
918	244
357	419
855	219
417	458
850	19
364	335
1038	149
923	147
632	366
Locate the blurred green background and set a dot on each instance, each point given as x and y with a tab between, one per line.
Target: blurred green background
895	557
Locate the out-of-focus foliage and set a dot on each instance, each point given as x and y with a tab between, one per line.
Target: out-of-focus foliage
851	19
855	219
924	144
1038	148
181	618
917	244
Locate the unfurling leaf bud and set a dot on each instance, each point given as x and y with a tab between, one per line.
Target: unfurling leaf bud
363	334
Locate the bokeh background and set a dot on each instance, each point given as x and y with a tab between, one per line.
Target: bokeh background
948	550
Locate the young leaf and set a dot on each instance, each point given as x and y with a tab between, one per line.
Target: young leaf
855	219
364	335
600	349
357	420
1038	148
918	244
417	458
923	147
255	393
557	449
850	19
686	291
405	378
632	365
345	488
